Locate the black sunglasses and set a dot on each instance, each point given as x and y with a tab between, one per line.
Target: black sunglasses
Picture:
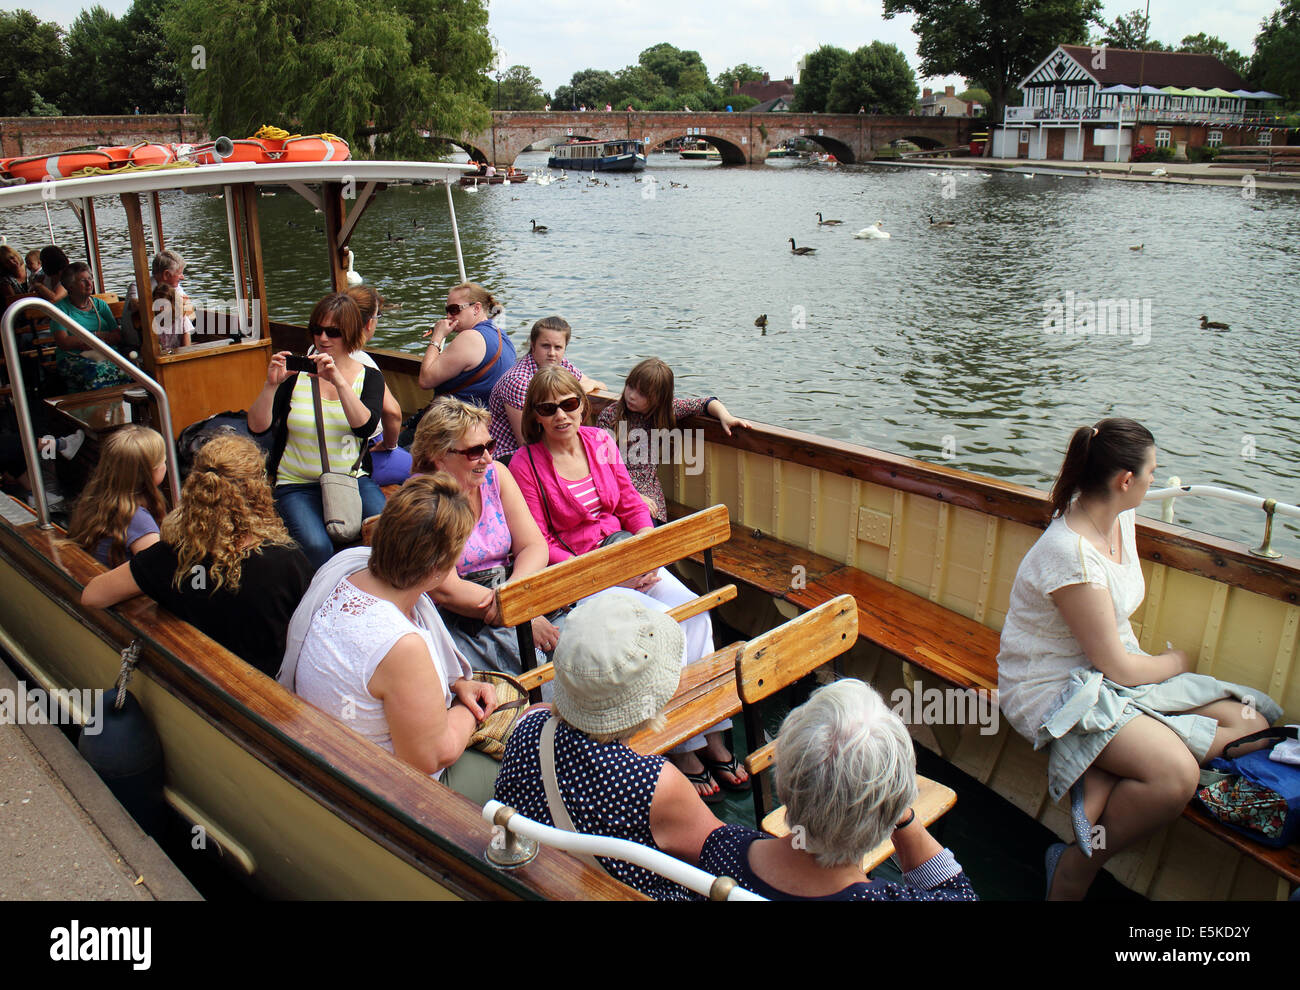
475	452
315	330
454	308
548	409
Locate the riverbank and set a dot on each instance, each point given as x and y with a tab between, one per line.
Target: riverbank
1175	173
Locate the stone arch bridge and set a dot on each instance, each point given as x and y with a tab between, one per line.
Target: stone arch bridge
741	138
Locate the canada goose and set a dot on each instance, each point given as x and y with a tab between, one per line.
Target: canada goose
827	223
416	225
942	223
761	322
353	277
540	230
400	240
800	250
876	231
1138	247
1211	325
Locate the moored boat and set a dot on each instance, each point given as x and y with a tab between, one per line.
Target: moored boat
623	155
700	151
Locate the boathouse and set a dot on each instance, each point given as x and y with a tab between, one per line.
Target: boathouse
1093	103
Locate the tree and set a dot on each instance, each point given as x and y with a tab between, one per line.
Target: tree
819	70
993	43
153	80
1203	44
97	68
520	90
742	73
32	56
1275	66
391	69
668	62
876	75
637	86
591	88
1132	31
973	94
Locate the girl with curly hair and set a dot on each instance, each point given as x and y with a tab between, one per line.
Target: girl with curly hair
118	513
226	519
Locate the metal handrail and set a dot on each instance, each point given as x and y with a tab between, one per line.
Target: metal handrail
9	338
1269	506
690	877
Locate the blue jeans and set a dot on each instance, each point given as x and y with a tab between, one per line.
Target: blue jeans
303	514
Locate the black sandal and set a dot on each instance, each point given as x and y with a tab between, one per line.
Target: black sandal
720	767
704	777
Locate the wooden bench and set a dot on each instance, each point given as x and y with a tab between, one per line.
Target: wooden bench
948	645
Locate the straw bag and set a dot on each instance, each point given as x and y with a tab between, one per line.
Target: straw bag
494	731
339	493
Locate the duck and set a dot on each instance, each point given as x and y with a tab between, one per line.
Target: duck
540	230
942	223
800	250
353	277
827	223
761	322
1138	247
876	231
1211	325
399	240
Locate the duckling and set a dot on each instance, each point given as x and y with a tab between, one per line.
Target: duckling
875	231
827	223
941	223
386	306
800	250
761	322
540	230
1138	247
398	240
1211	325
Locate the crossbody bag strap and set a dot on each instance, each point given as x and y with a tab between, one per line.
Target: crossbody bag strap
546	503
501	343
559	814
320	425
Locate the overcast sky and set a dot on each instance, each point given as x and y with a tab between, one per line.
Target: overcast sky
558	37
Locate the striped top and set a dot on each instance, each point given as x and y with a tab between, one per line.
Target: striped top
584	492
300	463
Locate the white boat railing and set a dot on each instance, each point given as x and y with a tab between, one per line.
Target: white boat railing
508	850
18	392
1269	506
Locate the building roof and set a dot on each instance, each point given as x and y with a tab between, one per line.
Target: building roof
1130	67
770	106
768	89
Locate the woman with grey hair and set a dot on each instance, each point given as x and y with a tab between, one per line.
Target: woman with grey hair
846	773
173	313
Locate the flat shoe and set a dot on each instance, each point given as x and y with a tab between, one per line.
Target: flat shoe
704	777
732	767
1052	860
1079	818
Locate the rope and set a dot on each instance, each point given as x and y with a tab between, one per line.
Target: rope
91	170
130	657
269	133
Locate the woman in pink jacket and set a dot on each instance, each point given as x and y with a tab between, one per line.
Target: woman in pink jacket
579	491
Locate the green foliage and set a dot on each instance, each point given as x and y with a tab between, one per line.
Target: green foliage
1276	66
813	90
1204	44
739	101
520	90
1201	153
993	44
1132	31
876	75
387	68
668	62
32	57
636	86
42	109
591	88
97	70
153	77
974	94
742	73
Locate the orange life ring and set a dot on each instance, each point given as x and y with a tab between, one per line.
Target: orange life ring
59	166
316	148
145	153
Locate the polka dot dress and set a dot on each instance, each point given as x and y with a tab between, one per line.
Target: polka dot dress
726	853
606	787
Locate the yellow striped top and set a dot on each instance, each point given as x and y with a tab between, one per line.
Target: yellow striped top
301	461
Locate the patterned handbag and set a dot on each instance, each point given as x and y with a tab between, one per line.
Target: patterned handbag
1253	794
493	732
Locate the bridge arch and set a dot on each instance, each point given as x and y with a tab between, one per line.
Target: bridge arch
729	152
923	142
475	153
841	151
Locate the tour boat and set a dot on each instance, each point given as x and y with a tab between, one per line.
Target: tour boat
622	155
303	807
700	151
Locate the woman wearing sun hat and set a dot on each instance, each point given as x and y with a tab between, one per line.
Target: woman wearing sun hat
616	666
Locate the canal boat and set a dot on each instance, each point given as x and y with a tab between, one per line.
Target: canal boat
622	155
302	807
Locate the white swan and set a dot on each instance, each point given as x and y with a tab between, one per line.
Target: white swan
1158	171
353	277
473	188
875	231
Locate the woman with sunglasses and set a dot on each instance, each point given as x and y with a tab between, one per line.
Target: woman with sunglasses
579	491
471	364
352	398
505	542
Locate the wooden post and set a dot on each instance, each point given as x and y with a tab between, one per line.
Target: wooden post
144	290
253	241
332	204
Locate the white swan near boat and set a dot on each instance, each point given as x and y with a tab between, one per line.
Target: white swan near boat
875	232
473	188
353	277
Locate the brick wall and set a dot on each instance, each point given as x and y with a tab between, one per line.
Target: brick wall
25	136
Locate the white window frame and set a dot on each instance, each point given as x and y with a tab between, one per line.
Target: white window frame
1214	139
1024	135
1163	138
1265	137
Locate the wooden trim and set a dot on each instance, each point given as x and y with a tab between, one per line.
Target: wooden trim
793	649
425	824
144	289
253	239
332	197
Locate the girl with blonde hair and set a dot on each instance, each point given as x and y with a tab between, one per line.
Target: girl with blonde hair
118	513
226	519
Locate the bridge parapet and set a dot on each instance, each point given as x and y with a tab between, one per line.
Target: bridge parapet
27	136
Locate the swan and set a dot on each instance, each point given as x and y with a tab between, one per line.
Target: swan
800	250
1158	171
827	223
473	188
941	223
1211	325
353	277
540	230
875	231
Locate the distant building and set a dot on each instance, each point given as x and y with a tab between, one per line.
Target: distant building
767	89
1094	104
946	105
777	104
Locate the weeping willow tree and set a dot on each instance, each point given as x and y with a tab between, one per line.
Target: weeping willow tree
394	70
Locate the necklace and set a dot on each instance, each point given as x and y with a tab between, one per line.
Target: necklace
1110	546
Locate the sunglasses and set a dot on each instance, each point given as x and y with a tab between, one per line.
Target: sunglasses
315	330
548	409
454	308
477	451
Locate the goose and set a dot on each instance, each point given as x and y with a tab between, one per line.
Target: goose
400	240
353	277
827	223
1138	247
876	231
416	225
1211	325
941	223
800	250
761	322
540	230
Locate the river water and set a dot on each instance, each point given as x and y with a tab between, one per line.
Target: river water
932	343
